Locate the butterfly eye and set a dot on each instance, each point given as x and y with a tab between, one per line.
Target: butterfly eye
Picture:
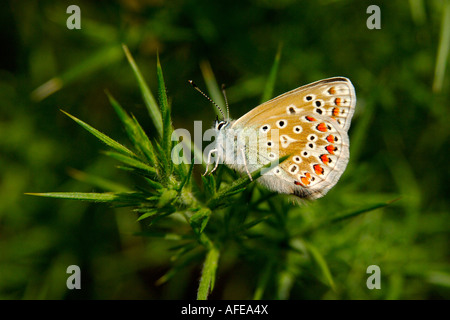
221	124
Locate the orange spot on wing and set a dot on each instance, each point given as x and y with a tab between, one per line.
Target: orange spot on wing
337	101
310	118
322	127
336	112
297	183
318	169
331	149
332	90
324	158
306	180
330	138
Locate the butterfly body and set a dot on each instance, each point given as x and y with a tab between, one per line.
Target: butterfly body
309	124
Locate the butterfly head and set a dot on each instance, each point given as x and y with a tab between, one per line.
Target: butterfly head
221	124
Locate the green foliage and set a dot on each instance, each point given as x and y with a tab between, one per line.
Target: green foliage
170	191
270	85
156	230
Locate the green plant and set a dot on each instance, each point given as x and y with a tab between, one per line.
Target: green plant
205	219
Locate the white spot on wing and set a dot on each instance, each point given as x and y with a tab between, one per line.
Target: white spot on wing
297	159
286	140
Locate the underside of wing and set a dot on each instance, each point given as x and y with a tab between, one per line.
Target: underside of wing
318	150
310	125
333	97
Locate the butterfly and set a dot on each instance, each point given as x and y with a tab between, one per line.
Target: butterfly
309	124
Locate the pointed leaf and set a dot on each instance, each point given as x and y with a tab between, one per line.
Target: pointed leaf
187	177
104	57
322	264
212	86
132	162
95	197
101	136
149	100
165	112
270	85
97	181
166	198
208	274
154	184
443	50
263	280
148	214
364	210
145	143
200	219
134	130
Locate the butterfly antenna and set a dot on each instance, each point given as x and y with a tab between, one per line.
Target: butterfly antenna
226	100
211	100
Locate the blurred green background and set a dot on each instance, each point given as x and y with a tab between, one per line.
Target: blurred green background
399	138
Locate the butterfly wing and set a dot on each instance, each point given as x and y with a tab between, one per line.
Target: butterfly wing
311	124
333	97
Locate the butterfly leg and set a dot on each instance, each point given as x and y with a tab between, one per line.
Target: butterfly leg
209	161
215	167
245	164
